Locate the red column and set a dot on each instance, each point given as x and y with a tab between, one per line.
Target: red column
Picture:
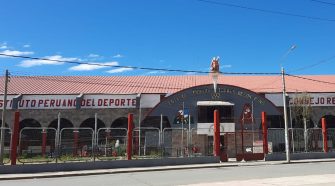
216	133
324	134
44	142
265	133
136	144
15	139
130	136
75	142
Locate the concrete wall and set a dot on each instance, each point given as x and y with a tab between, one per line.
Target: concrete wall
36	168
299	156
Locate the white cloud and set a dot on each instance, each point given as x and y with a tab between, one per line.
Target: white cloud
190	73
26	46
58	58
118	56
3	45
93	55
92	66
156	72
119	70
227	66
15	53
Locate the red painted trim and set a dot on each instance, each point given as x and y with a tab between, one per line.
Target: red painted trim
15	138
44	142
265	133
130	136
324	134
216	133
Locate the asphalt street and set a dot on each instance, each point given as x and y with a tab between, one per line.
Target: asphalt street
317	173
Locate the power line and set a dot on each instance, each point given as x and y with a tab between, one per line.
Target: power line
266	11
309	79
324	2
136	67
100	64
313	65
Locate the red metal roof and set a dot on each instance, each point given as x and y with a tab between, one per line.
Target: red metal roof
158	84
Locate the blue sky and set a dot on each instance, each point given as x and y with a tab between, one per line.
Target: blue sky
175	34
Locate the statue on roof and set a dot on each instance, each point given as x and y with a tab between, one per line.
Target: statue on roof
215	65
215	71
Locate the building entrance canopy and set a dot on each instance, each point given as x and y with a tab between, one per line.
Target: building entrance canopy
189	103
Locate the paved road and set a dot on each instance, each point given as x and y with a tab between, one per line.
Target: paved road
282	174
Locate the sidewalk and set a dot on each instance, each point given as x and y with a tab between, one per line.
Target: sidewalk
146	169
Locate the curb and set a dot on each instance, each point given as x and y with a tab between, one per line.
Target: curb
150	169
107	171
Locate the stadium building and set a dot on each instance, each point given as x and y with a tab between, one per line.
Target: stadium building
169	101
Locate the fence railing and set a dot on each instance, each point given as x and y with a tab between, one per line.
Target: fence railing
300	140
82	144
111	143
7	143
76	144
147	142
331	139
36	145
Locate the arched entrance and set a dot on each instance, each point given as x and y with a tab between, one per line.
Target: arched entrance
51	134
85	135
29	136
7	133
330	121
90	123
120	123
6	124
192	110
155	121
29	123
299	122
64	123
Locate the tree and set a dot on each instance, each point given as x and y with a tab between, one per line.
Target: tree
301	110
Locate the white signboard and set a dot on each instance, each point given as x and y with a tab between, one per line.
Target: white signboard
314	99
150	100
69	101
207	128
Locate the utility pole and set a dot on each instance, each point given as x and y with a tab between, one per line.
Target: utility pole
2	139
287	148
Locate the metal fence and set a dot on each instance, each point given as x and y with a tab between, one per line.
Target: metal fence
36	145
76	144
7	143
276	140
314	140
175	142
331	139
201	144
82	144
297	140
147	142
111	143
300	140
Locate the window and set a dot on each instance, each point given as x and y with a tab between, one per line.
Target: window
206	114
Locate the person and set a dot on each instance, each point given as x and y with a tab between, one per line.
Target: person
117	146
215	65
84	151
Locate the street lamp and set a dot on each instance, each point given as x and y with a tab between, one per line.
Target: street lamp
287	148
